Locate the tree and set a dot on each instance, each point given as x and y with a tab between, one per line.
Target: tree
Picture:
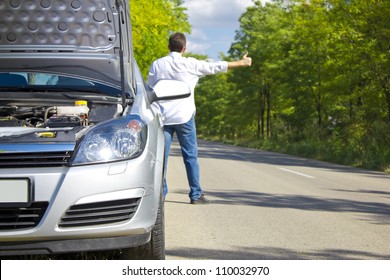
152	23
265	33
367	44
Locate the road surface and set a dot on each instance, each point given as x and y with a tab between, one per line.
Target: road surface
272	206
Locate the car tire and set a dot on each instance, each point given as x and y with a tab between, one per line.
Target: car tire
155	248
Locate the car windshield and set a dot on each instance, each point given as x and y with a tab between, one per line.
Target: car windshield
27	81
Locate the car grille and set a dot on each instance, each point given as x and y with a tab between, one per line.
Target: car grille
41	159
22	217
100	213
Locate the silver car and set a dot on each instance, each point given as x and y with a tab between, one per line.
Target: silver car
81	150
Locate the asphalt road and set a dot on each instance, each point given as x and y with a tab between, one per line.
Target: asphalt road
272	206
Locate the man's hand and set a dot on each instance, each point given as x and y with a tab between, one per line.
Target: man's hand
246	60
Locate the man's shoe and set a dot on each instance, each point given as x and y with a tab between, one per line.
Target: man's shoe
201	200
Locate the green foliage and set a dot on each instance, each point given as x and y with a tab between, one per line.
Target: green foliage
152	22
319	85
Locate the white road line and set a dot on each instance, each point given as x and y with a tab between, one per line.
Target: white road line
239	156
297	173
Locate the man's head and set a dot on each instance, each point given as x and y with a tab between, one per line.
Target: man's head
177	42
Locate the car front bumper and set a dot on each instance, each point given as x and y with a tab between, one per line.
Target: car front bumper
136	183
72	246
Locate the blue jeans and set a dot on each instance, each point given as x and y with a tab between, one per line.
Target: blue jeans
186	134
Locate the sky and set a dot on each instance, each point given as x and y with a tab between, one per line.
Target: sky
214	24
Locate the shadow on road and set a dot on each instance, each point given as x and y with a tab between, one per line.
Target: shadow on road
271	253
208	149
380	212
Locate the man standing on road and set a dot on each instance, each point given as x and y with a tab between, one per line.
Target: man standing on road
178	115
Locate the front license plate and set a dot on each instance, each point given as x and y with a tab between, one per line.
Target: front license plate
15	192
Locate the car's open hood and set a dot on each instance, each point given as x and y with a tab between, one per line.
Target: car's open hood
88	39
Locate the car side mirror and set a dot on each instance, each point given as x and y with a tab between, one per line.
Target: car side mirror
169	90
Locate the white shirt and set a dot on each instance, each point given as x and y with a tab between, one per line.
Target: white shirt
175	66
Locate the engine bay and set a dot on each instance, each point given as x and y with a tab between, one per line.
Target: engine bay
42	107
35	123
55	116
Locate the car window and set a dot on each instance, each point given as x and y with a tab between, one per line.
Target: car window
53	81
22	79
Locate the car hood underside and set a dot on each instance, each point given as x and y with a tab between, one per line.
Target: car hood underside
70	37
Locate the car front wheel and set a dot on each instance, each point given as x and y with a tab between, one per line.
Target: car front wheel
155	248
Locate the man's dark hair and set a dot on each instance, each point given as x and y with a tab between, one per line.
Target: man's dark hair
177	42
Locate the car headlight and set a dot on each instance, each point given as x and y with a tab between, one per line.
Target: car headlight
115	140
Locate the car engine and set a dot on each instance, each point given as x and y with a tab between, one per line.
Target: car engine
54	123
